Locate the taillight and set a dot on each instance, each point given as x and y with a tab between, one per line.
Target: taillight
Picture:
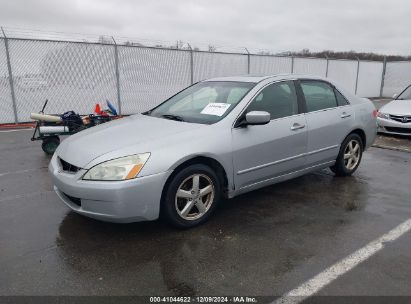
374	113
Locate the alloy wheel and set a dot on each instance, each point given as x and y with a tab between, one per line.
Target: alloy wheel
352	154
194	196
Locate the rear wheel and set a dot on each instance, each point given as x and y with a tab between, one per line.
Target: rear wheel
349	157
50	144
191	196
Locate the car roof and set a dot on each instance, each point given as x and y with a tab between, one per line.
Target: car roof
278	77
258	78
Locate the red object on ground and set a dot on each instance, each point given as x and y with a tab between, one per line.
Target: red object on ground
23	125
97	109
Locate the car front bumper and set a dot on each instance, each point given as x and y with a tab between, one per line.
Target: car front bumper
393	127
112	201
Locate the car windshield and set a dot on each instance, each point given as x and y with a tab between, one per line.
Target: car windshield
205	102
406	94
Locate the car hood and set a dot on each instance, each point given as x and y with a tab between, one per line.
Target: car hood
83	147
397	107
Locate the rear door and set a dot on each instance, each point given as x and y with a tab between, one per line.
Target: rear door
329	119
261	152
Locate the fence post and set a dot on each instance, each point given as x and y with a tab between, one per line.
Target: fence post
326	68
191	63
117	75
384	67
248	61
11	81
358	71
292	64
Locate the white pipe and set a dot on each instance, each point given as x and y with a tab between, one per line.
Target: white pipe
45	117
53	129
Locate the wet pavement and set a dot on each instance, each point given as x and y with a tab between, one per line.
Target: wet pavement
393	142
262	243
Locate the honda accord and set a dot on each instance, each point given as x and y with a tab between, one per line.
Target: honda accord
215	139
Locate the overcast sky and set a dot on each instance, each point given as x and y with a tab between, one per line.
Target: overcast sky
380	26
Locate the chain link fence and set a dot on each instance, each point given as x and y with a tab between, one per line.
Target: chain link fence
149	75
397	77
77	75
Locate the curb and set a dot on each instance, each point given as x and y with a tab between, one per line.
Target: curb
392	148
26	125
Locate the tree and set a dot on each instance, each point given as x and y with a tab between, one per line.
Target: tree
211	48
105	40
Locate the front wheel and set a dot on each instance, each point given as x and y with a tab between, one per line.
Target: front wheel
50	144
191	196
349	157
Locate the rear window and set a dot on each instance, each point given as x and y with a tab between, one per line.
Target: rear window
406	94
318	95
341	100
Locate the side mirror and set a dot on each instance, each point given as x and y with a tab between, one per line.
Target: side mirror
257	118
395	96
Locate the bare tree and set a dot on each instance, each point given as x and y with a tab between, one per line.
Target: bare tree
211	48
105	40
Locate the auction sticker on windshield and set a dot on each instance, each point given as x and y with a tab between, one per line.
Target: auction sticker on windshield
215	108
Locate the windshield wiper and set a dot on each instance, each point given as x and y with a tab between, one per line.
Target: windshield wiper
172	117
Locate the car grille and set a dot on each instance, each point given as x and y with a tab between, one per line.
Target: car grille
399	118
68	167
74	200
399	130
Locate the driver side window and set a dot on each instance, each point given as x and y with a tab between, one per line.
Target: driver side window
278	99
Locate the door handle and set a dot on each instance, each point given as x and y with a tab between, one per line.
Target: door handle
297	126
345	115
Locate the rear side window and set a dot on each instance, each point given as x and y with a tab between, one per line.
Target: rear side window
318	95
341	101
278	99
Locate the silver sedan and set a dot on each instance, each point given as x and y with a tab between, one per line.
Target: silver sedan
215	139
395	116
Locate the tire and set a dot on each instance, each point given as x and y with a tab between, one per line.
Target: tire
349	157
183	206
50	144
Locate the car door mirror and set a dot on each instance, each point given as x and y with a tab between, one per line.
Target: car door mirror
257	118
395	96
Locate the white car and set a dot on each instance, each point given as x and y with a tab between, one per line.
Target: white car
395	116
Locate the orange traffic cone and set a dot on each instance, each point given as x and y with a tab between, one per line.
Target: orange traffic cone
97	109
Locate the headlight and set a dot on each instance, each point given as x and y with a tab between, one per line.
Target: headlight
383	115
118	169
